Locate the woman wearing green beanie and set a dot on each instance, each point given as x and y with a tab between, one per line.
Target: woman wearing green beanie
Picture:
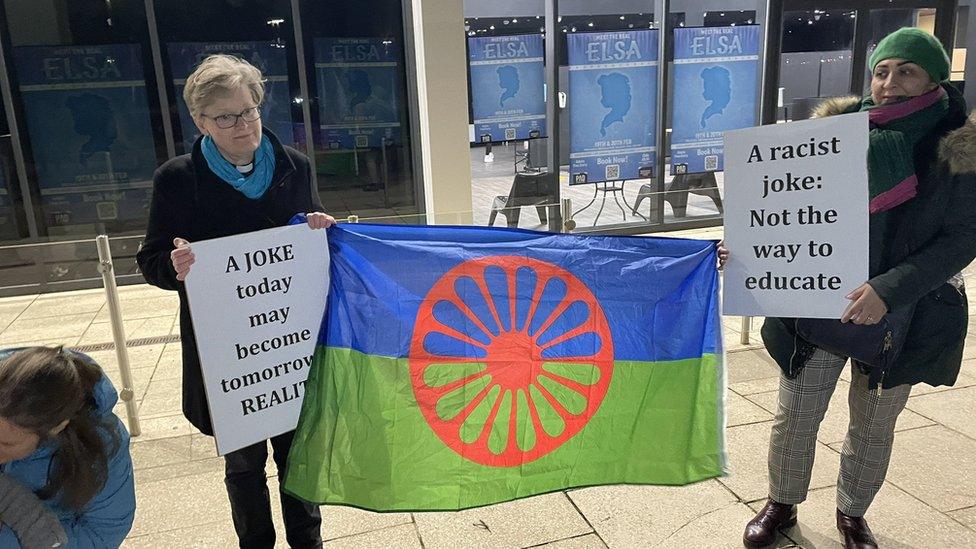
922	184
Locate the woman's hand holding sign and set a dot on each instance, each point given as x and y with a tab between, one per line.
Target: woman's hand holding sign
319	220
866	306
723	254
182	257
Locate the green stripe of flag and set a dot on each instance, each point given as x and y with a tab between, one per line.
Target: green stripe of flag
362	440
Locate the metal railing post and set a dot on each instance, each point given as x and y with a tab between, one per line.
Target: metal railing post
746	327
567	215
118	333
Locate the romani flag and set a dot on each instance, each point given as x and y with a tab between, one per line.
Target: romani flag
464	366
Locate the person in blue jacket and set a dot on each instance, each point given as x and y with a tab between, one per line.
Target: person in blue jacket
60	442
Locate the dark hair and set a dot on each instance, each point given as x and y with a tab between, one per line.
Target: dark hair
41	388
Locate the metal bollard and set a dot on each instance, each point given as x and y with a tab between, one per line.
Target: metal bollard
746	326
118	333
567	215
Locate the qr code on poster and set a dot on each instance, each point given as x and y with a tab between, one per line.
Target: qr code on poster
107	210
362	141
509	134
613	172
711	163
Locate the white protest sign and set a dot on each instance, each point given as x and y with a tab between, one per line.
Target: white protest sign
257	301
796	217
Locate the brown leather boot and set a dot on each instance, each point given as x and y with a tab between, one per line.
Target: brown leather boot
762	530
856	533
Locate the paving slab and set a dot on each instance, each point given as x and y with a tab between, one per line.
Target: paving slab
203	536
141	356
935	465
144	307
164	427
163	398
721	528
66	341
748	447
65	327
586	541
101	332
698	515
954	408
756	386
898	520
520	523
15	305
341	522
749	366
173	503
158	326
210	466
170	451
741	411
142	291
169	364
834	426
400	537
58	305
966	517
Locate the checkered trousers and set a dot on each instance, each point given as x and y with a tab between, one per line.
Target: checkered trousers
864	460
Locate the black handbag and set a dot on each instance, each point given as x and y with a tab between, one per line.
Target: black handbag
875	345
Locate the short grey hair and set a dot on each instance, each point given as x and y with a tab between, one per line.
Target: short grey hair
218	75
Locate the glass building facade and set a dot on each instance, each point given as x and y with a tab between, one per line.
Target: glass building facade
92	103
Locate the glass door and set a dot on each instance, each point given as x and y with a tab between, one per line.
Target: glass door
822	47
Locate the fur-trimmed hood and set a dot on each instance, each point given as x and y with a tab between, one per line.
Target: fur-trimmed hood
836	105
957	149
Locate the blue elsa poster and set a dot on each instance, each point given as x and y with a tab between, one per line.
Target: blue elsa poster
507	87
715	75
357	81
88	120
270	58
613	105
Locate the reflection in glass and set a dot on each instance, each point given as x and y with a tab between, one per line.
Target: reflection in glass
357	79
816	59
8	213
270	57
357	84
11	204
89	126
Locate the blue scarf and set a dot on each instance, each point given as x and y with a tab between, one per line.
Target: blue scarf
253	186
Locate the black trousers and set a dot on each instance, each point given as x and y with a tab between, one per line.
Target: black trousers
250	501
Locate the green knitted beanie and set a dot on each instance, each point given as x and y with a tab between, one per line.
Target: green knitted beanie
917	46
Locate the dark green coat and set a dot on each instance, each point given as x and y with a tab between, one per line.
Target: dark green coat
922	244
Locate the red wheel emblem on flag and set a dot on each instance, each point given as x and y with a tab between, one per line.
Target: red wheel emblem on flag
510	358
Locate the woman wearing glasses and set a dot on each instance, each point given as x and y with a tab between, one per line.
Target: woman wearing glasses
238	178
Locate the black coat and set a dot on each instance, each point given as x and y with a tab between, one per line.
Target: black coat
924	242
189	201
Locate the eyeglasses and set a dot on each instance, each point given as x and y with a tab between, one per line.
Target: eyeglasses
227	121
